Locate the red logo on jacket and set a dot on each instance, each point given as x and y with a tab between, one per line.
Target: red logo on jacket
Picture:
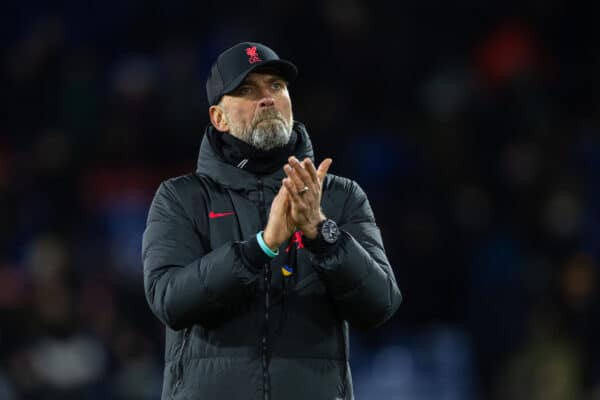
252	54
213	215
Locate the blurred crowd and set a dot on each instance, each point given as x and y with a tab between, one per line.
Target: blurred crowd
474	129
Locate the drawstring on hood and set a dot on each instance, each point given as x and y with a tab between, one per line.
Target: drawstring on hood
290	267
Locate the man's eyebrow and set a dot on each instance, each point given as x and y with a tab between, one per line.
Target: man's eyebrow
275	78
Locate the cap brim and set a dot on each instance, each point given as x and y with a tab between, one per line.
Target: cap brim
287	70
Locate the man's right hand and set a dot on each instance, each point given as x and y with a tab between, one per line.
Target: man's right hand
280	226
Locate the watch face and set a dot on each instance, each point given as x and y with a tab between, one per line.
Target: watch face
330	231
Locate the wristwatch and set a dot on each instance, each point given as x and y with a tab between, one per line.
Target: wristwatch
327	236
328	231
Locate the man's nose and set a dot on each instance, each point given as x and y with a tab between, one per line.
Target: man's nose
266	101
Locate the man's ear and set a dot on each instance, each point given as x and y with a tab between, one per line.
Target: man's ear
217	118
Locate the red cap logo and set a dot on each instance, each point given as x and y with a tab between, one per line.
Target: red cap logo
252	55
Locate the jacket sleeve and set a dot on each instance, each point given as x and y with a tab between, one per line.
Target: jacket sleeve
185	283
357	273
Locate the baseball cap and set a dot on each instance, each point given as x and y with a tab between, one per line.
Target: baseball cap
234	64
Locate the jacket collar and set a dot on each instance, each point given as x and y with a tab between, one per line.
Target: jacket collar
232	177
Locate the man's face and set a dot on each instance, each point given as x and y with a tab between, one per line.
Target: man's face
259	111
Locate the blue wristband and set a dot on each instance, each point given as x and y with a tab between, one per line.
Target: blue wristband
264	247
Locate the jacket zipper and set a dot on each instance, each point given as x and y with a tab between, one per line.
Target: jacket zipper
265	340
267	278
179	365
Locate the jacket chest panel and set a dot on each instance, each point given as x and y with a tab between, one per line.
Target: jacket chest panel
232	217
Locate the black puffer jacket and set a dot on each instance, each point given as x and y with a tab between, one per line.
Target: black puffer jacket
236	327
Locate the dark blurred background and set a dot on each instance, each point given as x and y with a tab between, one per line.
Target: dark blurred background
474	128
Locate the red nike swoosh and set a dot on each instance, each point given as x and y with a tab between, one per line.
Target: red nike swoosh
212	215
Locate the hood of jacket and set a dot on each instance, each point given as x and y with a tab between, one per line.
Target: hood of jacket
211	164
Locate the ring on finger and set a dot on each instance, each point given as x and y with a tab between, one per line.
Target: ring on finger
303	190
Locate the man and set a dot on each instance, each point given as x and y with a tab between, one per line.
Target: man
259	261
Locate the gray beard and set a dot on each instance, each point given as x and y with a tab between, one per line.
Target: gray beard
268	131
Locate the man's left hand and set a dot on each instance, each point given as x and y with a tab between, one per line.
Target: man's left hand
304	184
